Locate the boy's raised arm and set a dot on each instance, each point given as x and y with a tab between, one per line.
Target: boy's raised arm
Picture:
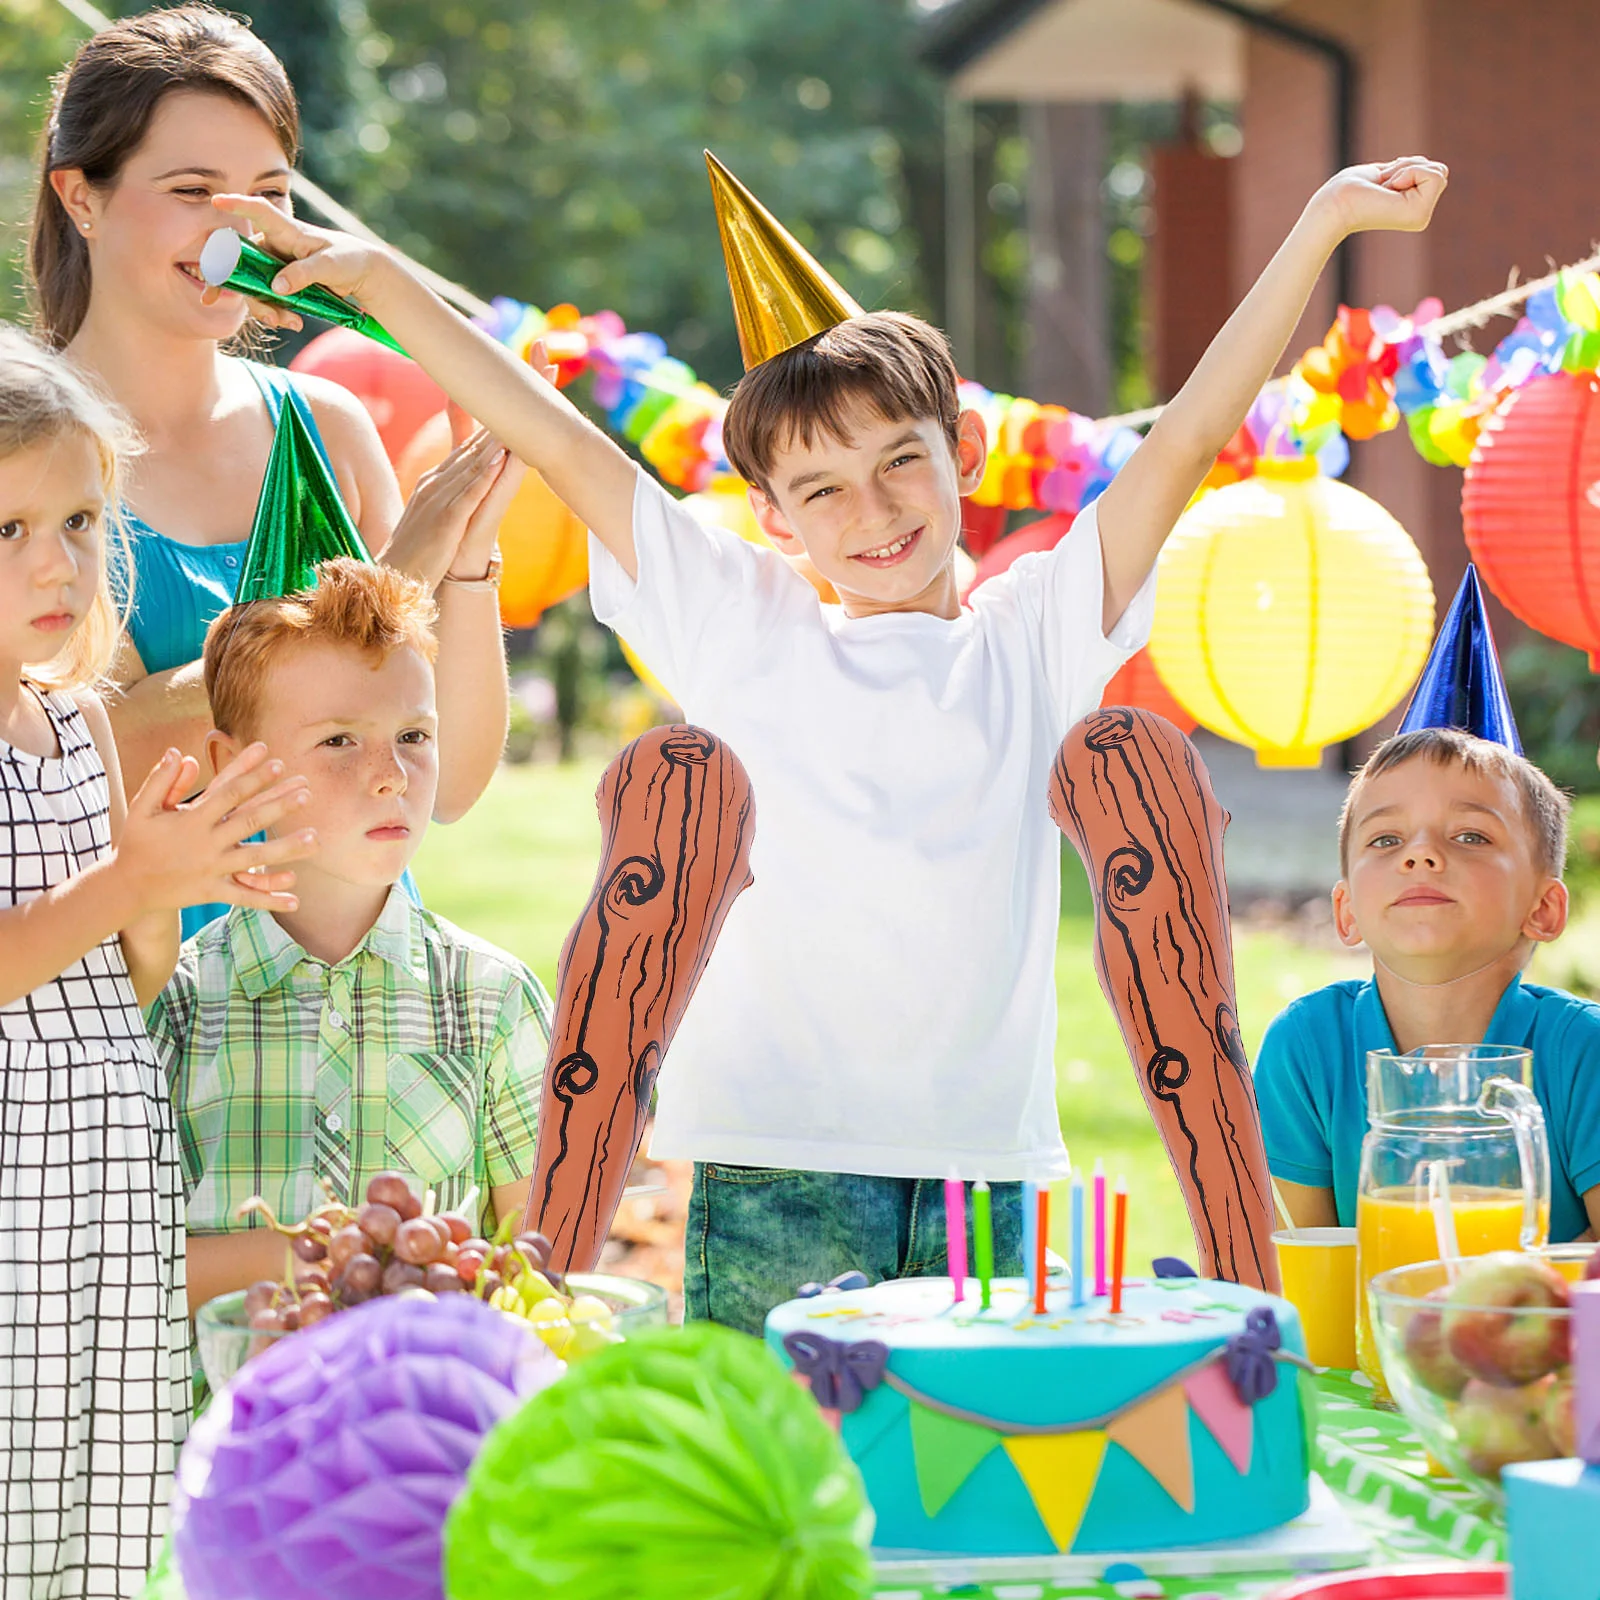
1138	510
526	413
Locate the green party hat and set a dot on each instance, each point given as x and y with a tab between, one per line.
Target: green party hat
229	261
300	517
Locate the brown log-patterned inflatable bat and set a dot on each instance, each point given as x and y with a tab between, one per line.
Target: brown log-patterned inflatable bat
677	819
1133	796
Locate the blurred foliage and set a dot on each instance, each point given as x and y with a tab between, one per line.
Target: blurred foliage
552	152
36	38
1557	706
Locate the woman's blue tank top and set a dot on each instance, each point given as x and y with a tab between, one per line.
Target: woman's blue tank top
179	590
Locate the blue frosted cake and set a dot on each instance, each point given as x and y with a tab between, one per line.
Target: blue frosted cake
1184	1419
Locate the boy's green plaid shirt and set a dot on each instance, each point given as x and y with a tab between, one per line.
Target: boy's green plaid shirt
423	1050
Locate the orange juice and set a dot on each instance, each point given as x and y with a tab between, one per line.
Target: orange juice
1395	1228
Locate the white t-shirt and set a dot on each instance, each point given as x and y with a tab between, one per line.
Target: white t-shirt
882	997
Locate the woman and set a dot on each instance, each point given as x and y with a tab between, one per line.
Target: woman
153	116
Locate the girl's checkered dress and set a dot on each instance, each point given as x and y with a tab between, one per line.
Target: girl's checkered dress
93	1348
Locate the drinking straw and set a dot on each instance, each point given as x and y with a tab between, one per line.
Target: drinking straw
982	1242
1041	1238
1285	1221
1118	1245
955	1230
1078	1285
1444	1219
1099	1227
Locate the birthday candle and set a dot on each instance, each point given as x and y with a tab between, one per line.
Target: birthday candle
1117	1244
982	1241
1030	1219
955	1229
1099	1227
1041	1237
1078	1286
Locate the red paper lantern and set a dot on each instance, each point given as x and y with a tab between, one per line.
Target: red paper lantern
1137	683
1531	508
981	527
398	395
1045	534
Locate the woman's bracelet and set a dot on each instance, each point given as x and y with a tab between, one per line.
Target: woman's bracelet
489	580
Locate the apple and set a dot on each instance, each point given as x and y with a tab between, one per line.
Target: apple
1560	1417
1496	1425
1427	1354
1591	1268
1500	1321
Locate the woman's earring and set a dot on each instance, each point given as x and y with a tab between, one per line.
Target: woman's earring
84	225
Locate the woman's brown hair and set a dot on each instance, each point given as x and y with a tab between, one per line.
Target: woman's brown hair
101	107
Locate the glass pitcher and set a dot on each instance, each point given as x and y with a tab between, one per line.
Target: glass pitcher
1455	1119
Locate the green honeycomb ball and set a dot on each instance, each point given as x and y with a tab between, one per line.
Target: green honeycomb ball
682	1465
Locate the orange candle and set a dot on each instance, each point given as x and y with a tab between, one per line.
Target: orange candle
1041	1235
1119	1240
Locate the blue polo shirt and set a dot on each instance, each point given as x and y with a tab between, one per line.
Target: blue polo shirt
1311	1082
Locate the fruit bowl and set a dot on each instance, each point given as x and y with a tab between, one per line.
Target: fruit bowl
226	1340
1476	1354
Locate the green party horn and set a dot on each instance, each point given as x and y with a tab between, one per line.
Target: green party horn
229	261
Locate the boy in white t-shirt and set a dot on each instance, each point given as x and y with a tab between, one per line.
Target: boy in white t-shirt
880	1008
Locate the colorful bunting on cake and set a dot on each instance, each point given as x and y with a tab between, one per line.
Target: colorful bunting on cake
1059	1466
1227	1418
947	1451
1060	1470
1156	1435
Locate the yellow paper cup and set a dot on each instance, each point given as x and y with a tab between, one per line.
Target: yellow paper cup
1319	1281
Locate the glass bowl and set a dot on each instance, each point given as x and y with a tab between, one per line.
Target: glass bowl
226	1340
635	1303
1516	1402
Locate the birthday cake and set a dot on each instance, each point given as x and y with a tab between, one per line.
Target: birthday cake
1183	1419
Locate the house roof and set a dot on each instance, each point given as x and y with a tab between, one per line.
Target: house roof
1087	49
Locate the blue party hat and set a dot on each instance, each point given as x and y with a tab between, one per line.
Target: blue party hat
1461	686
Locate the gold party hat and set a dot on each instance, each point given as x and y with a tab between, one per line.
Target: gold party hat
781	297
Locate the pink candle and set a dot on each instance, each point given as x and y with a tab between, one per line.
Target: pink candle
955	1229
1041	1235
1099	1227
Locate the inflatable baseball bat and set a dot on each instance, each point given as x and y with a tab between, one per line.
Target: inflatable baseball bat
1133	796
677	819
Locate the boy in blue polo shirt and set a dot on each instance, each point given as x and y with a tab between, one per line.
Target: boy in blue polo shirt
1452	848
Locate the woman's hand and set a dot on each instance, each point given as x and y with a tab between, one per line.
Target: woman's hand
170	856
453	514
1396	195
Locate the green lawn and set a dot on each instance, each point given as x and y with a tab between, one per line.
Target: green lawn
519	867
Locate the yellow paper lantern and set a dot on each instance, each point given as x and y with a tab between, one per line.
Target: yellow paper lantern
1292	612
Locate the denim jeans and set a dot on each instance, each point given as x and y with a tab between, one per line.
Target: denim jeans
755	1234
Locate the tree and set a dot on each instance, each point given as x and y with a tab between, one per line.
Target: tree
552	152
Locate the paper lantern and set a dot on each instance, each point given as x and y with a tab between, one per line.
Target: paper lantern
325	1469
1531	508
681	1465
545	548
1045	534
1292	612
1137	683
398	395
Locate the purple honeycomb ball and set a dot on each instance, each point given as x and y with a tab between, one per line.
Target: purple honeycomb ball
324	1470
